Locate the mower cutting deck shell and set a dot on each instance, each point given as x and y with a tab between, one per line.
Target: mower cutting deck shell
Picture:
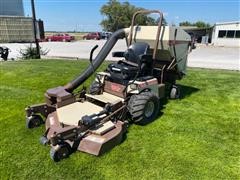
128	90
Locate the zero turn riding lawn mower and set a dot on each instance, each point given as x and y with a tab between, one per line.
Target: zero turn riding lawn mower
95	121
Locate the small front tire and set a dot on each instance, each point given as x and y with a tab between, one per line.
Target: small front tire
175	92
34	121
43	140
60	151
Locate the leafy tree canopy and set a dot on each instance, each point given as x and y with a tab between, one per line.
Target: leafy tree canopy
199	24
119	15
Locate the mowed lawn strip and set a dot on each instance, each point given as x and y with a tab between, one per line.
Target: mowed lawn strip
196	137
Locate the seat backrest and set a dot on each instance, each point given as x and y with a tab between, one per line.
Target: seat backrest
139	48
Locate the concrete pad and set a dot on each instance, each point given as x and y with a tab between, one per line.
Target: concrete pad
203	56
215	58
73	50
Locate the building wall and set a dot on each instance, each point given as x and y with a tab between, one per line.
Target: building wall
198	33
226	34
11	8
16	29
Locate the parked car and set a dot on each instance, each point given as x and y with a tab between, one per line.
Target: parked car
60	37
106	35
93	35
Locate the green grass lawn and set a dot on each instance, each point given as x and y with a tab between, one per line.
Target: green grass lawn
197	137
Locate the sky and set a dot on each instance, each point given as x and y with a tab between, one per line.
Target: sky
84	15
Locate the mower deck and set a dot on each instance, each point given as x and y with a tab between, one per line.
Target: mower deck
105	98
72	113
102	139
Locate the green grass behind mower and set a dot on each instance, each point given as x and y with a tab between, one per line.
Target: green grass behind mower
197	137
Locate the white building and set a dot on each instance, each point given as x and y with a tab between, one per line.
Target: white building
226	34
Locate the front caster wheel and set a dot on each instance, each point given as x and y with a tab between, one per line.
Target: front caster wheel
60	151
43	140
175	92
34	121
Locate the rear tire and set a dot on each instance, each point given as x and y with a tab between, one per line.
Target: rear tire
143	107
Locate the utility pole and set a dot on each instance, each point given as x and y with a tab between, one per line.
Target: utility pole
35	29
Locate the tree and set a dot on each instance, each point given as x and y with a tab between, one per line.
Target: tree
202	24
119	15
199	24
185	23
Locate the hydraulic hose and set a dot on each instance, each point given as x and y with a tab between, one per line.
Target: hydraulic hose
120	34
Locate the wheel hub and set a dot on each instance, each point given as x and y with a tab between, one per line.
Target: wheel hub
149	109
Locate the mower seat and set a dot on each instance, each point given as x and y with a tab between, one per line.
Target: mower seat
136	63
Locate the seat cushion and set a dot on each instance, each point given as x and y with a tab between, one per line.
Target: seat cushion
122	71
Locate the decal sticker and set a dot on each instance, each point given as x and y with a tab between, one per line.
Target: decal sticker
116	87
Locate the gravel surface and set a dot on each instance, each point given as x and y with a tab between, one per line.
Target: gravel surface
203	56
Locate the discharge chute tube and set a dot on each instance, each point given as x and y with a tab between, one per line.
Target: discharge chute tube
120	34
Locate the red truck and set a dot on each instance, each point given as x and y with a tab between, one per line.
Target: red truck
60	37
93	35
